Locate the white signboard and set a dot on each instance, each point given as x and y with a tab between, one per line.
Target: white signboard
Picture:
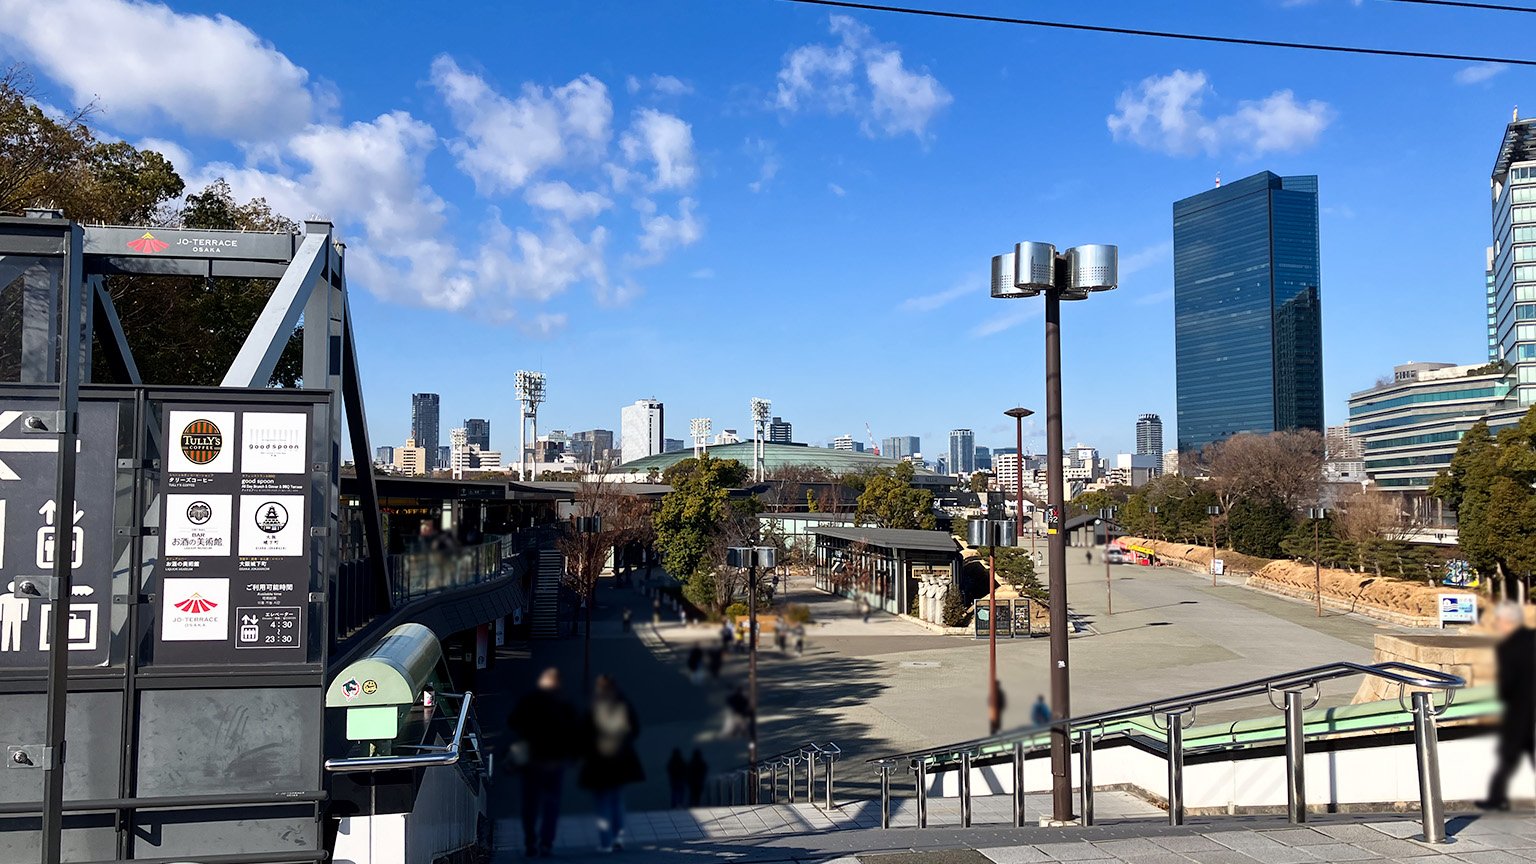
1458	609
198	525
1218	567
202	442
195	610
272	443
272	525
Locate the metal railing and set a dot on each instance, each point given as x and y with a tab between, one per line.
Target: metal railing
465	741
1175	714
736	786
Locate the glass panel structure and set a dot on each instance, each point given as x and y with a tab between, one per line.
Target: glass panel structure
1247	309
1514	240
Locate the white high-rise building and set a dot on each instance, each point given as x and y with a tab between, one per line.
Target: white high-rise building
845	443
641	431
1512	324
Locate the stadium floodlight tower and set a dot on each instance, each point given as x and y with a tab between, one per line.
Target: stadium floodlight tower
1029	270
530	393
760	409
699	428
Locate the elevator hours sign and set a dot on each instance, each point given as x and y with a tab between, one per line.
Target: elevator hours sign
235	569
33	531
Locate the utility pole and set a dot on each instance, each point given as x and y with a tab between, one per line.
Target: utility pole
1107	516
1213	511
1318	514
751	558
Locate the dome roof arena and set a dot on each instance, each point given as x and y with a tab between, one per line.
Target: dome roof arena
776	456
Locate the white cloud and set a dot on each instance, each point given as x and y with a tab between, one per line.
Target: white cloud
703	273
145	63
180	159
769	167
930	302
1000	323
1166	113
1477	73
661	233
863	78
559	197
1144	258
836	190
506	142
665	141
668	85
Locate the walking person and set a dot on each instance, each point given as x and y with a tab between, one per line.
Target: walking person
612	762
542	724
677	778
1040	712
698	772
696	663
799	641
1516	657
716	660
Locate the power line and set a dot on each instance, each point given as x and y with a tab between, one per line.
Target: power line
1468	4
1162	34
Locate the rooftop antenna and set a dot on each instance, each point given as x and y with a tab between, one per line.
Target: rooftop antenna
1218	179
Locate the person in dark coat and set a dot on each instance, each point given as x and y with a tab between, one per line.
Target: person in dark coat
696	663
612	762
716	659
698	773
542	723
1516	657
677	778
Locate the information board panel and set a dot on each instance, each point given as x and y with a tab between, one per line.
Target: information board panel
235	569
31	525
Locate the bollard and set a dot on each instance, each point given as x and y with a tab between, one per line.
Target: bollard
810	777
1295	760
773	791
1175	768
830	762
789	777
965	790
885	795
1426	745
1085	754
1018	784
922	793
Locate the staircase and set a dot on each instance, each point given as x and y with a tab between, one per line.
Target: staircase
545	623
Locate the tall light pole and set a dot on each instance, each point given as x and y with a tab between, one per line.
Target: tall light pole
1317	515
751	558
1213	511
1029	270
699	428
1107	516
991	533
530	392
760	409
1018	415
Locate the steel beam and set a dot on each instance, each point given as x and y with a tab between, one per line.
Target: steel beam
362	461
263	346
114	342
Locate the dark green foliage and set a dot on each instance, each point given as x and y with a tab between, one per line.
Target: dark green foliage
1257	527
1489	483
698	519
954	612
890	501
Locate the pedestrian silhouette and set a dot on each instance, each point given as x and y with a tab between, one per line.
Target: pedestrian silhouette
612	762
542	725
698	772
677	778
696	663
1040	713
1516	656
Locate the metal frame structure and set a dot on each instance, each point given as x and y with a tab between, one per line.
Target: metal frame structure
62	267
530	393
760	409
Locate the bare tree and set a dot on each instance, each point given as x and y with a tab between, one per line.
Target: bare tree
1283	466
604	518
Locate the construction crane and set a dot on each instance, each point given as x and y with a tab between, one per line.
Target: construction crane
870	435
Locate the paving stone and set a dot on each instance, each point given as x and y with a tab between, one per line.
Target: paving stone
1399	829
1490	856
1073	851
1401	849
1187	843
1343	852
1221	856
1127	848
1349	833
1015	855
1156	858
1301	837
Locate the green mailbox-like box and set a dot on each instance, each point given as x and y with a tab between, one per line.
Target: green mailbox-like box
378	689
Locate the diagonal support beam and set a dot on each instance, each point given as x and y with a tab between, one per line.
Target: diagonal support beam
114	343
362	456
269	335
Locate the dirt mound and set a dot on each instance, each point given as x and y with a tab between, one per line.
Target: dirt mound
1415	604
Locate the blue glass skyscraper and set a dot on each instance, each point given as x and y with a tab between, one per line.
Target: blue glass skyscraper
1247	315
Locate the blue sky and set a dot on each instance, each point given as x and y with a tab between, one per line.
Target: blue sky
704	202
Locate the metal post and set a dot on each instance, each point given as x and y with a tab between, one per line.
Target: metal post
1213	551
994	715
1109	587
752	669
1295	759
789	779
1085	780
965	790
1317	566
922	793
830	762
810	777
1061	687
67	433
885	796
1175	768
1018	784
1426	743
1018	473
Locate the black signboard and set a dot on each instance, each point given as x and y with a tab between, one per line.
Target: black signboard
1052	519
31	525
235	569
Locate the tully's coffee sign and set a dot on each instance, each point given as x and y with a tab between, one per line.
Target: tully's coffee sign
201	441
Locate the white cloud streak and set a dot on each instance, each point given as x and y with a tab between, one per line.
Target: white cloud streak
1477	73
1167	113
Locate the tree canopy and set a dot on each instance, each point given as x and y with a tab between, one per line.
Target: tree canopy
698	520
889	500
1489	483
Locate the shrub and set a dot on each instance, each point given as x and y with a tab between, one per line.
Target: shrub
797	613
736	609
955	612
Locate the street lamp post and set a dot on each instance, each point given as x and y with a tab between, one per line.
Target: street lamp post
1029	270
751	558
1018	415
1107	516
1213	511
1317	515
1157	527
992	533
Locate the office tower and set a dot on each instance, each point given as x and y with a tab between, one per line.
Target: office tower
962	451
641	429
424	414
901	447
1513	187
673	445
478	432
844	443
410	459
384	455
780	432
444	456
983	458
458	452
1247	309
1149	435
1492	286
1005	466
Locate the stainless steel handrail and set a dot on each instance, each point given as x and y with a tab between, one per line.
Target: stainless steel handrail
1173	715
434	756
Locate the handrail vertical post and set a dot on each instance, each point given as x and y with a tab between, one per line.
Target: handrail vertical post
965	790
885	795
810	777
1295	759
1018	784
922	793
830	763
1426	742
789	778
1085	754
773	791
1175	767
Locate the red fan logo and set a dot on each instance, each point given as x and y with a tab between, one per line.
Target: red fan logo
148	244
196	605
